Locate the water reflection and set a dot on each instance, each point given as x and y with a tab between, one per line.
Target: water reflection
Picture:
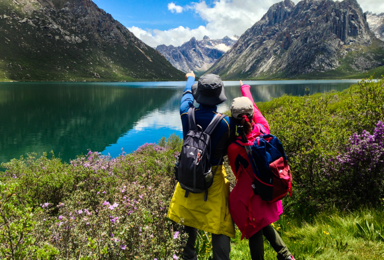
69	119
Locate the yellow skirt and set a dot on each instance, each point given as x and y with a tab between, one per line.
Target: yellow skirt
212	215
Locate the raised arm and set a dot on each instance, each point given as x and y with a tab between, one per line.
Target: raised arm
186	101
258	118
187	98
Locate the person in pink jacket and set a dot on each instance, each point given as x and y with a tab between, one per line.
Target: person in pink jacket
251	214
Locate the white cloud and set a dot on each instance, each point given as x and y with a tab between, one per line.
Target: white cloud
224	18
175	36
175	8
374	6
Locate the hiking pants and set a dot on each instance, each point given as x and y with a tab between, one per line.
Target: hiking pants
221	246
256	244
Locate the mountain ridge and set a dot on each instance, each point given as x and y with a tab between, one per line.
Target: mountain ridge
73	41
313	38
376	24
196	55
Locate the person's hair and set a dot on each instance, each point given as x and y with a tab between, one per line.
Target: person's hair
247	126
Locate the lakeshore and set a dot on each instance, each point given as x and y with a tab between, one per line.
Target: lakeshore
96	207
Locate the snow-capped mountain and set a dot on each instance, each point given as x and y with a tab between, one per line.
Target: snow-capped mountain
376	24
196	55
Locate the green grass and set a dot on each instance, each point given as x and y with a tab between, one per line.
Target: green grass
330	235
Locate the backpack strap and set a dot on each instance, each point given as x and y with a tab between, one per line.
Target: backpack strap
215	121
192	119
248	150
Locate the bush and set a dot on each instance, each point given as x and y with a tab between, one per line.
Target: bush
94	207
322	136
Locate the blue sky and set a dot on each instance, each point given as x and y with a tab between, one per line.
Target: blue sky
175	22
150	14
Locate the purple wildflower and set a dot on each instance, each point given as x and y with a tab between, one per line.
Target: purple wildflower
112	207
45	205
123	247
176	235
113	220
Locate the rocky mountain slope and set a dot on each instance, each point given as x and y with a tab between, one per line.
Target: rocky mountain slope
312	39
376	24
196	55
73	40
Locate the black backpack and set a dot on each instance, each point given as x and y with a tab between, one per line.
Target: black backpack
194	171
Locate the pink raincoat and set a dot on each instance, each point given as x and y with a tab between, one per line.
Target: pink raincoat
249	212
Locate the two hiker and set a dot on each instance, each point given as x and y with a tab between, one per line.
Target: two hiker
210	210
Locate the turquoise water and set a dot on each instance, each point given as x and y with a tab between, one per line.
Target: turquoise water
72	118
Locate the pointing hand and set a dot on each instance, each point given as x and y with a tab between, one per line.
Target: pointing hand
190	74
241	82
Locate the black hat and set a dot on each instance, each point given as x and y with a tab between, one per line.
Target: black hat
209	90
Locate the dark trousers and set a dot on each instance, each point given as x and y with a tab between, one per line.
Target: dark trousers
256	244
221	246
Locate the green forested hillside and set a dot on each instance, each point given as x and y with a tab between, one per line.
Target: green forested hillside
73	41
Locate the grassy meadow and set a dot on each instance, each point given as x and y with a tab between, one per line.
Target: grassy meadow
333	234
96	207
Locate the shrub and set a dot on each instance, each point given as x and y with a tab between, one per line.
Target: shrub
317	133
359	170
94	207
17	222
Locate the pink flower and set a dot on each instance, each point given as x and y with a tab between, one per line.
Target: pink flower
123	247
60	217
175	257
176	235
45	205
112	207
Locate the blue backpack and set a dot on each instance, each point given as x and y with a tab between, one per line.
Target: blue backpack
273	179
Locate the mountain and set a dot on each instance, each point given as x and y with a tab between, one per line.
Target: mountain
73	40
313	39
196	55
376	24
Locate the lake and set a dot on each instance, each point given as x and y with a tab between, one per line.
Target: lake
72	118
